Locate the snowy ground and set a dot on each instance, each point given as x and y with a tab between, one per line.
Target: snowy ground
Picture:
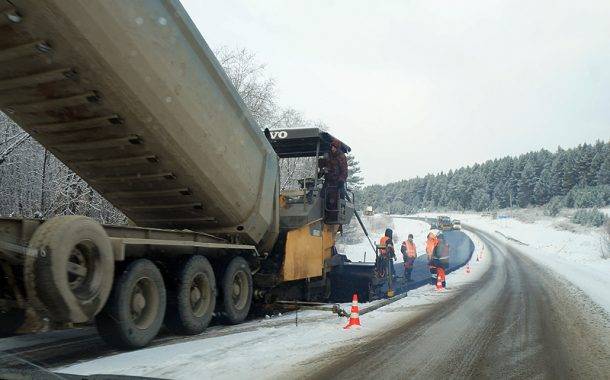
276	348
572	251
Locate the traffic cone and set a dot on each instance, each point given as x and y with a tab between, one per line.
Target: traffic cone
478	258
354	318
439	284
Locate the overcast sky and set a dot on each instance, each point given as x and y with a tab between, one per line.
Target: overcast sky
425	86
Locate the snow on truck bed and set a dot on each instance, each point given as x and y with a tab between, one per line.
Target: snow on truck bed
275	347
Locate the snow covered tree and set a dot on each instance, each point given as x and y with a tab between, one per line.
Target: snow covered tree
480	200
533	178
568	180
252	83
603	175
526	185
354	180
541	193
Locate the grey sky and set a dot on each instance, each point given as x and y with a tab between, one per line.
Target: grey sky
423	86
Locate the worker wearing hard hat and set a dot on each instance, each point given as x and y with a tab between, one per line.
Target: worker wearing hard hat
409	253
431	242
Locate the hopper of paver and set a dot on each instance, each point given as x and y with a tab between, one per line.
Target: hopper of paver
129	96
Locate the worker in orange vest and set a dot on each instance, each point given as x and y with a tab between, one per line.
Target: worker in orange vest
409	254
438	256
431	243
386	253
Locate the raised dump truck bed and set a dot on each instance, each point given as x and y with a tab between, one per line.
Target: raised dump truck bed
129	96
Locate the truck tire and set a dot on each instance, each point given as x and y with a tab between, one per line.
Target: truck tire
69	268
135	309
10	321
237	290
191	297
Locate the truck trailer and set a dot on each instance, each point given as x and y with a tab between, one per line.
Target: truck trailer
129	96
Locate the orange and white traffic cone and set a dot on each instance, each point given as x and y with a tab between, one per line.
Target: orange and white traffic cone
439	284
354	318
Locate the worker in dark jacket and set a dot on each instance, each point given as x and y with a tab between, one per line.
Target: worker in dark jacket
334	169
336	165
409	254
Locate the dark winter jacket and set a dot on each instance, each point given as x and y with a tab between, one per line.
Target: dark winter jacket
336	166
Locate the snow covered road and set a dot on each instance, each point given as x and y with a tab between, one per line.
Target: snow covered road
509	317
519	320
575	256
276	347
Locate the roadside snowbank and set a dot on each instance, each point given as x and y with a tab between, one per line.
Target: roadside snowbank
574	254
277	348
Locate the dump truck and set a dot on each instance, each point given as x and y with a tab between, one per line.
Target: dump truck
129	96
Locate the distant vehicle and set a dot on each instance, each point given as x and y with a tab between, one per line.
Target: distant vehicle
368	211
444	223
457	225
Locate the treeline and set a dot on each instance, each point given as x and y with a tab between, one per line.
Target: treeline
580	176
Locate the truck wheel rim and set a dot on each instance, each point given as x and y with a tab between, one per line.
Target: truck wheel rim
240	290
83	270
144	303
200	295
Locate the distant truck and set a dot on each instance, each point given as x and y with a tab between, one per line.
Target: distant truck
368	211
444	223
129	96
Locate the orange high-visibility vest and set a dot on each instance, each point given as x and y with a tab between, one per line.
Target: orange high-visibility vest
384	239
411	249
430	244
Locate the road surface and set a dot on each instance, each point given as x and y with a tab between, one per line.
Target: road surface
517	321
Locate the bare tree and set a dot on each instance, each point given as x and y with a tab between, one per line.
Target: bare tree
33	183
253	84
258	91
